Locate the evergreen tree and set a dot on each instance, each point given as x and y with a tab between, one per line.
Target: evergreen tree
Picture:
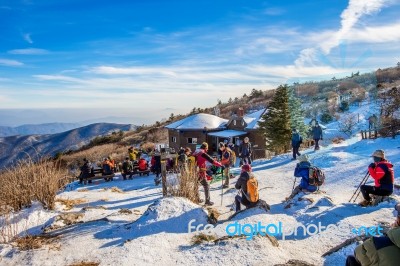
275	124
296	113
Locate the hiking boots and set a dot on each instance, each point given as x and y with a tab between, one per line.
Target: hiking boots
365	203
209	203
225	186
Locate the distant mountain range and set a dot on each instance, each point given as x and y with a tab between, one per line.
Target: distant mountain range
48	128
14	148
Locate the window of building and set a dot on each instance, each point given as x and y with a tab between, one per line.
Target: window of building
234	122
173	139
192	140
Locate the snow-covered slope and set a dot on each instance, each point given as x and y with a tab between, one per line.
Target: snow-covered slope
139	227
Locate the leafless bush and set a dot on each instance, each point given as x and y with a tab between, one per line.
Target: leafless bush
347	124
186	186
29	181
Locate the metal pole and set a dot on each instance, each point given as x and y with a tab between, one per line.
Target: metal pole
363	181
164	177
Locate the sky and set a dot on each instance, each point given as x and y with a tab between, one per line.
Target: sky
76	60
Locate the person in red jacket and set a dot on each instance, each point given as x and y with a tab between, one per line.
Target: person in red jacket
382	172
201	158
142	164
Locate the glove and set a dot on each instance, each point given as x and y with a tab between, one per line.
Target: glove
217	164
372	165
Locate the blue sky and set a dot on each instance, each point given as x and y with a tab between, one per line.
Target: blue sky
72	60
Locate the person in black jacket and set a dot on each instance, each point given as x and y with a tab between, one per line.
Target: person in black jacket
86	170
241	184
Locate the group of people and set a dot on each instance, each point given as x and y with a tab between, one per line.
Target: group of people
297	139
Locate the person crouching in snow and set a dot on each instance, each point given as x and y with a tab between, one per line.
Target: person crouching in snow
248	186
303	170
382	172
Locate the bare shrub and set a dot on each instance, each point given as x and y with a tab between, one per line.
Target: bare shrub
347	124
29	181
186	186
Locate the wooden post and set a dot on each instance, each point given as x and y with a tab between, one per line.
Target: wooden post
164	177
369	133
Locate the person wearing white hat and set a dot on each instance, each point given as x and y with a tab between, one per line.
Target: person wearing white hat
382	172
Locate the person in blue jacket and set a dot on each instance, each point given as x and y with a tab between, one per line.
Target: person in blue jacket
302	170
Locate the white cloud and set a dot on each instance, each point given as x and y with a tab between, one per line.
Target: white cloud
29	51
27	38
8	62
349	19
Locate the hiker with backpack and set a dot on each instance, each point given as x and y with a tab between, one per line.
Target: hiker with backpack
317	134
248	186
311	176
127	168
296	141
108	167
245	152
382	172
201	158
226	161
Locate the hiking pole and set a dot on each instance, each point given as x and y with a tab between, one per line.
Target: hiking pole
363	181
294	183
222	187
359	191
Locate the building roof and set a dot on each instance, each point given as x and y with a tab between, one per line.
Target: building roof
199	121
227	133
252	119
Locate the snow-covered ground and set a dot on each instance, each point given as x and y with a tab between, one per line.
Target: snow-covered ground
151	230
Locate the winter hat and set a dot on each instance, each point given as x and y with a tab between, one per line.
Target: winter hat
246	167
379	154
204	145
303	158
126	158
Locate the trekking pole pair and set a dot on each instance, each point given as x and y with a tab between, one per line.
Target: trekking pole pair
363	181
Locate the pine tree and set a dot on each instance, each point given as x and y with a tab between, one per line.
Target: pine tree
275	124
296	113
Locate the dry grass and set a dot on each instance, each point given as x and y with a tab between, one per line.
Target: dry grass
83	190
29	181
187	186
125	211
85	263
34	242
117	190
70	203
337	140
201	238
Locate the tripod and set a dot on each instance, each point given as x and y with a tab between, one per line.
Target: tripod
363	181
